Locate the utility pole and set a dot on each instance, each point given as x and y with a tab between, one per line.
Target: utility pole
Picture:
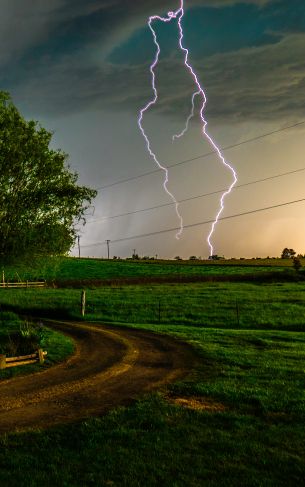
108	242
78	243
134	253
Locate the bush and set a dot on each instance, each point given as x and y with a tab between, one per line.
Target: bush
296	263
24	341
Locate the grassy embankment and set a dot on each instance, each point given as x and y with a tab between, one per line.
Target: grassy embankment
244	420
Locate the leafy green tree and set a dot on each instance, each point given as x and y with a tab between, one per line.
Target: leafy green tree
288	253
40	201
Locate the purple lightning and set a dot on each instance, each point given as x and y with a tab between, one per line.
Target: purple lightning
178	136
151	103
179	14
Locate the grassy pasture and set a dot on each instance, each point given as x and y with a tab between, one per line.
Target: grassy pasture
238	420
243	424
224	305
65	269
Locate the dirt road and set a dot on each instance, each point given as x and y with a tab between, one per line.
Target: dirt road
111	367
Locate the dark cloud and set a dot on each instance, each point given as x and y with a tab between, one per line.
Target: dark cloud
64	67
36	20
263	83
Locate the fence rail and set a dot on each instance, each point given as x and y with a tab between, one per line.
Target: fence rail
22	285
6	362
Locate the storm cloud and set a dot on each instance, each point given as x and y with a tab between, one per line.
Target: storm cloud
27	23
264	83
64	64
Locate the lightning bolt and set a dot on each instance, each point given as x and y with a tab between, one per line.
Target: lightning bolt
147	107
179	14
200	91
178	136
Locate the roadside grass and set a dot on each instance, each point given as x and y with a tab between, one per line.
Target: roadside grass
56	344
65	269
222	305
255	439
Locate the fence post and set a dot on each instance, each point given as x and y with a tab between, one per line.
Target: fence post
83	302
40	356
2	362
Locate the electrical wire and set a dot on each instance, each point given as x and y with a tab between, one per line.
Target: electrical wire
269	178
192	225
202	156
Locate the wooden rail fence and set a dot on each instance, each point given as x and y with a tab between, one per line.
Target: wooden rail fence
22	285
38	356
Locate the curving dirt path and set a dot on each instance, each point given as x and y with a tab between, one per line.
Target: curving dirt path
111	367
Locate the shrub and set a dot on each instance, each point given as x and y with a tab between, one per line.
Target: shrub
24	341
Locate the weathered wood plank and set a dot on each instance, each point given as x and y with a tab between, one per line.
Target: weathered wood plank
39	356
23	357
2	362
25	362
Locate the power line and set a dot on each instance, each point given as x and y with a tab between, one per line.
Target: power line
192	225
196	197
202	156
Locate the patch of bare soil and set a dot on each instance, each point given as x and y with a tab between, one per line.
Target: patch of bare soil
198	403
111	366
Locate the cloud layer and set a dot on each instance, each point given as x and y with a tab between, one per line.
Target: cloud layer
265	83
63	65
35	20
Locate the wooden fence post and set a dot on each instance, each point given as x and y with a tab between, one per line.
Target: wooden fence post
40	355
83	302
2	362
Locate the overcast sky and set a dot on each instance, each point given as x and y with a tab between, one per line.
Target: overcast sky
82	69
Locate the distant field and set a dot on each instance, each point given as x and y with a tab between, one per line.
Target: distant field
79	269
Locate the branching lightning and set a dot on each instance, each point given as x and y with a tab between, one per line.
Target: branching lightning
149	105
178	136
179	14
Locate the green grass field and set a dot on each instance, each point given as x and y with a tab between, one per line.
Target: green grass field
243	419
63	269
223	305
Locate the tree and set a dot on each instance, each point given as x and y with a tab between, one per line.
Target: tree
40	201
297	263
288	253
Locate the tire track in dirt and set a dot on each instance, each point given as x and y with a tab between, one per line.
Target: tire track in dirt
110	367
